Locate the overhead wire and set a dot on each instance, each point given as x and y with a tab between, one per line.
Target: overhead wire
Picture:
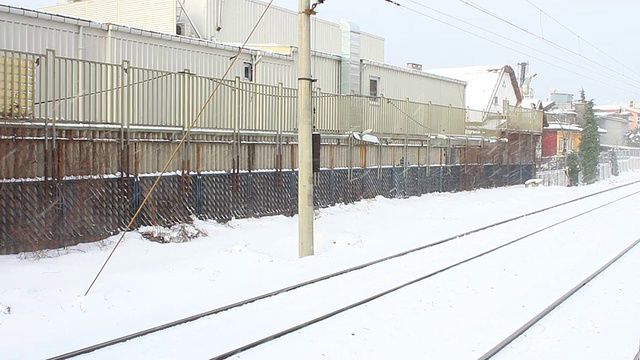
582	38
511	40
510	48
557	46
180	144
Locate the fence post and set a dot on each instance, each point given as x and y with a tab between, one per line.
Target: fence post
125	145
332	187
198	195
50	108
280	112
405	165
520	156
251	208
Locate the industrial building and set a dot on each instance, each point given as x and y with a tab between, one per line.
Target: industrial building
86	100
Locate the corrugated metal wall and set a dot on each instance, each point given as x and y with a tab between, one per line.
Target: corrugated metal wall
326	69
280	26
24	33
152	51
167	55
159	15
372	47
398	83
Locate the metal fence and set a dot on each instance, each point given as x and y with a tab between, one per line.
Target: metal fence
51	214
80	141
553	170
46	87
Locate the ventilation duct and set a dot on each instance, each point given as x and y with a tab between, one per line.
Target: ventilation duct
350	82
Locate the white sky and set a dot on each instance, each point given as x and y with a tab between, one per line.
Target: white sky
411	37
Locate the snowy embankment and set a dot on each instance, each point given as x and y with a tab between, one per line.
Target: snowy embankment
43	312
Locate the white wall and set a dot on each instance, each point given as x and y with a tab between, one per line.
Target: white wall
504	91
93	41
156	15
399	83
236	18
280	26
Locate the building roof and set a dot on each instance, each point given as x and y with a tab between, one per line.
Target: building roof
562	111
481	82
417	72
538	104
569	127
620	109
613	117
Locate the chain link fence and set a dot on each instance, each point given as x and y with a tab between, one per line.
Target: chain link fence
53	214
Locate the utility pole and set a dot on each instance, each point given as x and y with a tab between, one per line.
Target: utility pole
305	171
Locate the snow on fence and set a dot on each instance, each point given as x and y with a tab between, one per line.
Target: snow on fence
553	170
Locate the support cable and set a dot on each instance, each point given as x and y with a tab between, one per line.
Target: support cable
182	141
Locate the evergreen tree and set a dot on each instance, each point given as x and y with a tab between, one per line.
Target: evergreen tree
589	146
573	168
613	159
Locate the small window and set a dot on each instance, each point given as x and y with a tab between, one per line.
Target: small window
248	71
374	86
495	101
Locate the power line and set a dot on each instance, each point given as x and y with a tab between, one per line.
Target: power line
512	49
513	41
560	47
581	38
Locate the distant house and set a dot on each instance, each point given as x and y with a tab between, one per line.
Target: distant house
494	99
629	113
616	126
489	87
563	129
562	132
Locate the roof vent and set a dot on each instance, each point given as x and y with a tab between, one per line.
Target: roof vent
414	66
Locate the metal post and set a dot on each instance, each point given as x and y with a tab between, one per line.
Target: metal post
305	174
405	165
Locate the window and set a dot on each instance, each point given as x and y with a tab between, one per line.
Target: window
248	71
495	101
374	86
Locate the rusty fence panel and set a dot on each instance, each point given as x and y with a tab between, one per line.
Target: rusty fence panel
52	214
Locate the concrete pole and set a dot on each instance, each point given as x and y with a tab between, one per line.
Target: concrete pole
305	171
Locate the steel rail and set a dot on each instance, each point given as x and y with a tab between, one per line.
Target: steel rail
406	284
496	349
195	317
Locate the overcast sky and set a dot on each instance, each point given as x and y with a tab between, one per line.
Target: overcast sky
562	59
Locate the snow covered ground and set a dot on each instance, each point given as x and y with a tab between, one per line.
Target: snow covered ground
459	314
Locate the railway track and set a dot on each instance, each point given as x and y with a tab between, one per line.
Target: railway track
353	304
521	330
